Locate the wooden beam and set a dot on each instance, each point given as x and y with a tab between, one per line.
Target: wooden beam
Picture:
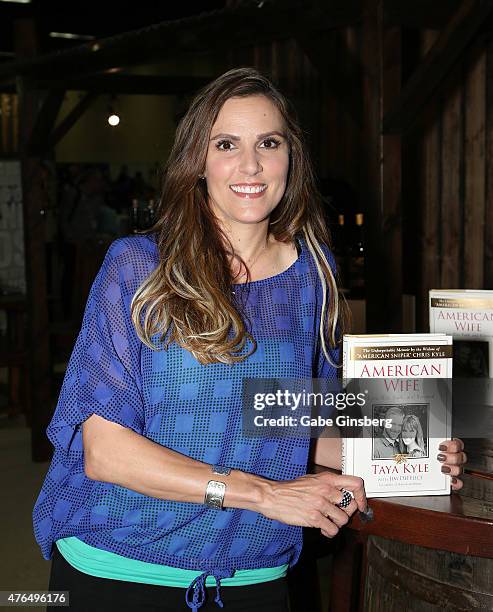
421	14
45	120
70	120
344	85
128	84
117	84
204	33
432	71
34	195
381	173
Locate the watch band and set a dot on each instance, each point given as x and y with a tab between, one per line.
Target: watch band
214	494
221	469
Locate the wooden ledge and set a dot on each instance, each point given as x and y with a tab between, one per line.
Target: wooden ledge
455	523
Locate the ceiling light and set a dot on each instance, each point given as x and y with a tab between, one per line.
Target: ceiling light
17	1
113	116
71	36
113	120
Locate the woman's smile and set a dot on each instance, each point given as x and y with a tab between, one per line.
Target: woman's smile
249	191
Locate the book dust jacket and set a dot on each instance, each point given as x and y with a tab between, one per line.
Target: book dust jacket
406	380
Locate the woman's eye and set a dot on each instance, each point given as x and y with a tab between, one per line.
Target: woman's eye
270	143
224	145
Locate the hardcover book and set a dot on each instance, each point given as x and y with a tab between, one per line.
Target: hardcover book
467	315
407	412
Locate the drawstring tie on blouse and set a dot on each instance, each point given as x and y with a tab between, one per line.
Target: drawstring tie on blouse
197	588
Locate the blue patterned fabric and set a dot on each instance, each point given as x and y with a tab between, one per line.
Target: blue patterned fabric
170	398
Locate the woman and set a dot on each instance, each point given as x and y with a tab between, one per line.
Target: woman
412	436
234	282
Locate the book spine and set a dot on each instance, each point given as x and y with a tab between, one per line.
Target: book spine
343	455
345	357
431	314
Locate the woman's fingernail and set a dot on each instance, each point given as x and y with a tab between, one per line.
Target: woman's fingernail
445	469
454	480
367	516
441	457
442	447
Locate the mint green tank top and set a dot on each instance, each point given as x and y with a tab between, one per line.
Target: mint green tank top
105	564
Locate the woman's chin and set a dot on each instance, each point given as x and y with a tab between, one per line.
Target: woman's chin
249	217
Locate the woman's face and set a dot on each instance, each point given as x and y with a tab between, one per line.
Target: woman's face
408	436
247	160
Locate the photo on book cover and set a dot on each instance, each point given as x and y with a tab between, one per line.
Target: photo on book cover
407	438
471	359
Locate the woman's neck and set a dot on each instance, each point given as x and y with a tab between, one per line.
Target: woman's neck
249	240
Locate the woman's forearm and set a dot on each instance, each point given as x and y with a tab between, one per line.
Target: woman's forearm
119	455
328	451
116	454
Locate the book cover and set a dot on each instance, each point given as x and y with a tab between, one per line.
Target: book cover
467	315
409	409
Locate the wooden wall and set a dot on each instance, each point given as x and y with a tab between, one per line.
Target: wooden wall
304	74
454	150
447	190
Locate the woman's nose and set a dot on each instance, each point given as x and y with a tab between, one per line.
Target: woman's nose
250	162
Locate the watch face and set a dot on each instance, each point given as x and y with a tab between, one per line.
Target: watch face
220	469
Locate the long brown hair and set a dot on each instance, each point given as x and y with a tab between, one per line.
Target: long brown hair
187	299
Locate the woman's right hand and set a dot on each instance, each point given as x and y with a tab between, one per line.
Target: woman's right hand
310	501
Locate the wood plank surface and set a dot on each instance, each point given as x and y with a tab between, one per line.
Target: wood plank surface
429	76
488	233
432	521
407	577
451	187
474	162
429	200
381	173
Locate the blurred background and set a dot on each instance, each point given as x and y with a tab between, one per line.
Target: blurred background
394	97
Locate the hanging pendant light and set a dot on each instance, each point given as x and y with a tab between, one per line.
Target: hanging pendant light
113	117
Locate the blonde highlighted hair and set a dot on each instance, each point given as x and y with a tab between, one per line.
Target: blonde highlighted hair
187	299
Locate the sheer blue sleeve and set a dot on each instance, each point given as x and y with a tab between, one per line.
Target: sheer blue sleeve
103	375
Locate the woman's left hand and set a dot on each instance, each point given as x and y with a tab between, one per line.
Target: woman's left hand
452	456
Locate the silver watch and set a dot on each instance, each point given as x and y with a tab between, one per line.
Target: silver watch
214	494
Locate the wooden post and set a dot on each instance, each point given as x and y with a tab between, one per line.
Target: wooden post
429	190
475	170
450	177
34	201
381	172
348	574
488	238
